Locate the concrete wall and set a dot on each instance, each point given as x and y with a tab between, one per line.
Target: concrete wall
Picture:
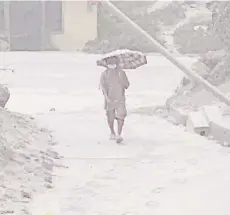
221	132
79	26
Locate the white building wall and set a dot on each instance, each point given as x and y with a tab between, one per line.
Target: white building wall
79	26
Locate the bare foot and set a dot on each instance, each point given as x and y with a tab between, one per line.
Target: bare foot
112	136
119	139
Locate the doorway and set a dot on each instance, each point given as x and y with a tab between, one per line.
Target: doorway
25	25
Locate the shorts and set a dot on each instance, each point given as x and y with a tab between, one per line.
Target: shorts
116	110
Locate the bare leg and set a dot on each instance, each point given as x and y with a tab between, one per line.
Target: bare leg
120	124
110	119
121	114
111	125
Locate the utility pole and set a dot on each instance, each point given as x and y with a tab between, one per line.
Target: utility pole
196	78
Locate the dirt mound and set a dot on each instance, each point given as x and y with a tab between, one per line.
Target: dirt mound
26	162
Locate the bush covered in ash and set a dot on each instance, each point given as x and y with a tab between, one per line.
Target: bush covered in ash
113	33
193	38
194	35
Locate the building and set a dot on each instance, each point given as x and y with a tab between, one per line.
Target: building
48	25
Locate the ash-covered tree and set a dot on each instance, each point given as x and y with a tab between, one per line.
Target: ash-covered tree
221	29
114	33
221	21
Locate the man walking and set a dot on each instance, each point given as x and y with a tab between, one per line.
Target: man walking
113	83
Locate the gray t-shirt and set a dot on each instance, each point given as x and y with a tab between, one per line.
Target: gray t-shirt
114	82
